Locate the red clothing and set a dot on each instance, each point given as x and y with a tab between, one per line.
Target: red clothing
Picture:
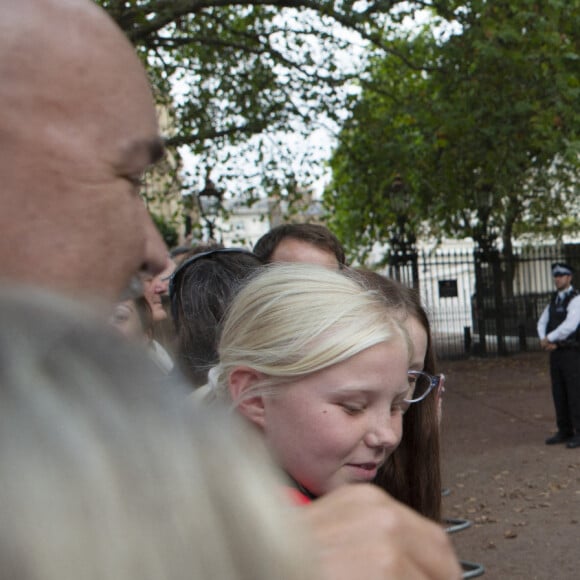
297	497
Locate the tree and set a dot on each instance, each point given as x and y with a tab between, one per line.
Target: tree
382	163
244	72
166	229
509	99
486	136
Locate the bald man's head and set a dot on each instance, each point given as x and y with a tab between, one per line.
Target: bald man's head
77	131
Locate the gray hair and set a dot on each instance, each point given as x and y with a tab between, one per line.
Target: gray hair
106	473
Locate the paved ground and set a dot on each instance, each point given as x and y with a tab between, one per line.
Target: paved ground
522	496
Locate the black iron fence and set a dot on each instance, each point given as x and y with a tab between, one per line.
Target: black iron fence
482	303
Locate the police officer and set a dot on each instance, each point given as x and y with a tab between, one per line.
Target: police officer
559	332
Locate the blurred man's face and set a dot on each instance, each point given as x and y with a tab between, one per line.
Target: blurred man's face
79	131
126	320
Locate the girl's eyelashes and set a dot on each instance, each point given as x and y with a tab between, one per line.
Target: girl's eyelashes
352	408
399	405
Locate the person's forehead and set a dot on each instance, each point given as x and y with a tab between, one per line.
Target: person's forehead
93	88
296	250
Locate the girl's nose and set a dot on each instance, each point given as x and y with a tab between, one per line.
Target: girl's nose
385	432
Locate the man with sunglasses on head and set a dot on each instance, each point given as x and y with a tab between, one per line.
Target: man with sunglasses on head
559	333
201	289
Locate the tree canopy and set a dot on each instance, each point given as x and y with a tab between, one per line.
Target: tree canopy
475	116
482	132
244	72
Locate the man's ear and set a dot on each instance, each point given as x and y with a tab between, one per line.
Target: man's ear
241	381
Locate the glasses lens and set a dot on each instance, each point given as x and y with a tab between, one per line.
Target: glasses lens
420	384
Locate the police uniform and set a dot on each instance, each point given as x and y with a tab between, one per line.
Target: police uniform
560	325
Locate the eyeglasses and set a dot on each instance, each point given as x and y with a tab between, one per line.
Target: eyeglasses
173	280
421	384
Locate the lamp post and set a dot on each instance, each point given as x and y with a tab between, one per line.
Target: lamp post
403	249
484	233
493	276
210	202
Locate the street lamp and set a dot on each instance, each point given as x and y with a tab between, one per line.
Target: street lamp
210	203
484	233
402	241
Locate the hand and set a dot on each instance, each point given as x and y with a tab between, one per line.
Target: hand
364	533
547	345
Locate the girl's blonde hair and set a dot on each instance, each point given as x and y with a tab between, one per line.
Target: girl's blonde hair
292	320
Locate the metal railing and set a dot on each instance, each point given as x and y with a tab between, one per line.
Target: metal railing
482	303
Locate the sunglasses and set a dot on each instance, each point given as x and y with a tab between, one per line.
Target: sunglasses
175	279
